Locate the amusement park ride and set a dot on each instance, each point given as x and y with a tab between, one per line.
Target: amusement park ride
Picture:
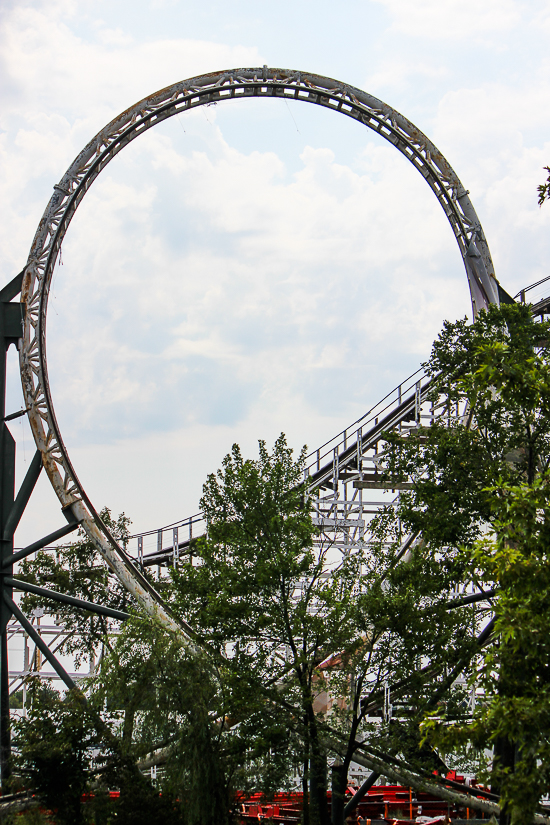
342	474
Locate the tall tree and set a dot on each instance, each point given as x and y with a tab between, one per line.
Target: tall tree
257	591
296	620
480	483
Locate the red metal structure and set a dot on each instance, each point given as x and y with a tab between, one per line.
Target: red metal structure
382	805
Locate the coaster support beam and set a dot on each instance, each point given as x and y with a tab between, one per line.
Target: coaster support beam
11	331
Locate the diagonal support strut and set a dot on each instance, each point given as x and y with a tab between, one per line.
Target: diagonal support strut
61	597
38	545
39	642
23	496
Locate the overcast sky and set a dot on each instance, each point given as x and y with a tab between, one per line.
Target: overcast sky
256	266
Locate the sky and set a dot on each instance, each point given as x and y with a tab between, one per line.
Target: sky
255	266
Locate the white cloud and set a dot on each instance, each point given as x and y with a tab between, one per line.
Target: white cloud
452	19
49	66
261	291
59	89
398	74
541	19
493	136
218	287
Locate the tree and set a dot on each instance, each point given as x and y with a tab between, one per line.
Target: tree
480	486
241	595
71	756
161	699
77	569
515	673
410	644
294	618
55	751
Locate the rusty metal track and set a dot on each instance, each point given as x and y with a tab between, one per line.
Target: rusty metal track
69	192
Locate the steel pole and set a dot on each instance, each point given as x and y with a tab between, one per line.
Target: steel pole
7	495
10	331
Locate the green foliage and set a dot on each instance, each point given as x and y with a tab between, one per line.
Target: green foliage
32	816
271	604
161	698
414	644
515	672
286	618
78	570
500	366
277	605
241	594
518	704
68	756
544	188
55	745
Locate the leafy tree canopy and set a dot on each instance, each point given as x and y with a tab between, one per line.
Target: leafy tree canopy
78	569
480	491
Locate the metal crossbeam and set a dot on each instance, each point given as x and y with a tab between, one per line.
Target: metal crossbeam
38	545
27	587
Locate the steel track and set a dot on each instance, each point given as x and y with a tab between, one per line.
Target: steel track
69	192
